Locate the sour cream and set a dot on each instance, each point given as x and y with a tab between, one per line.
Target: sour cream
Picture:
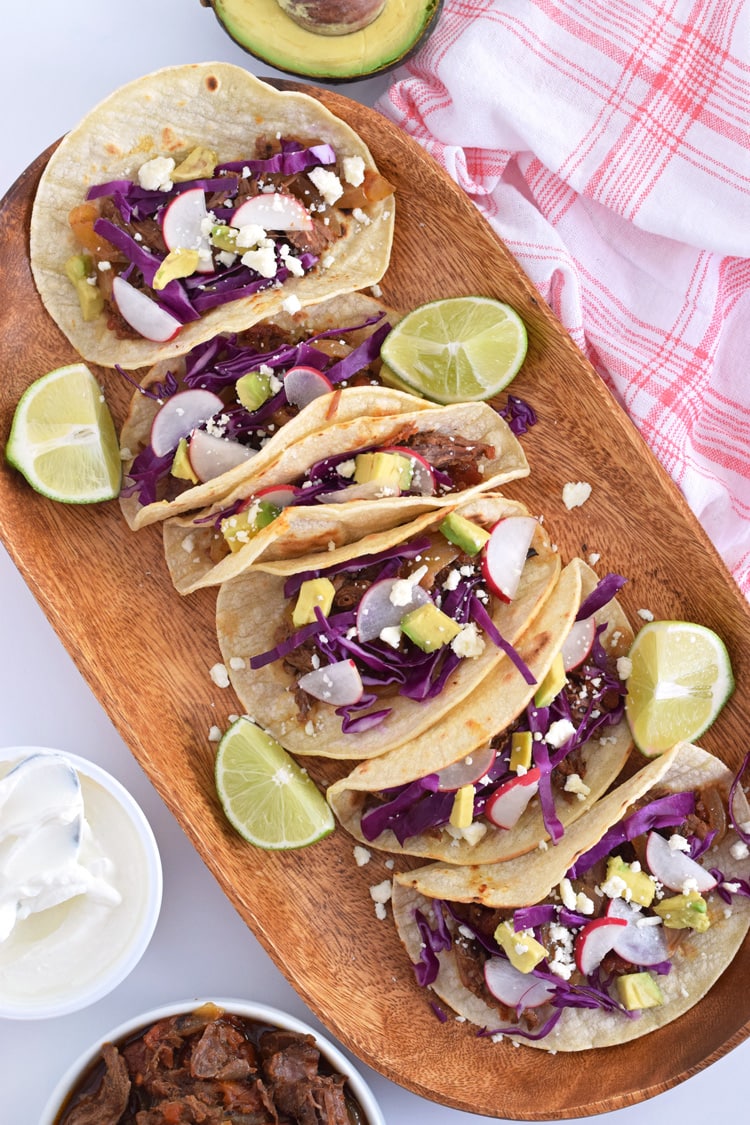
77	874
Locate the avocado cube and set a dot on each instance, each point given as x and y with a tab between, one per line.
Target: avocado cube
429	628
199	164
314	592
253	389
684	912
523	950
552	684
466	534
639	990
181	467
178	263
224	238
641	886
521	744
462	812
391	470
243	525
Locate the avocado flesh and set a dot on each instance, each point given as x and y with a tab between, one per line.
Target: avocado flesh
265	31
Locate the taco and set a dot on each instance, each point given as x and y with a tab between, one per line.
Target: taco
201	424
616	932
198	200
352	652
330	486
492	790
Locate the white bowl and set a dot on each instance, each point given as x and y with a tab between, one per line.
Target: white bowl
64	958
259	1012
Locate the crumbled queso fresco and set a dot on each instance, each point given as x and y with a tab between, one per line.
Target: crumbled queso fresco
576	493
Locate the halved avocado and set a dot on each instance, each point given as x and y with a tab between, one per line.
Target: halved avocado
262	29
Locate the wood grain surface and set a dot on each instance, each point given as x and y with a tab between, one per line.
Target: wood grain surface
146	653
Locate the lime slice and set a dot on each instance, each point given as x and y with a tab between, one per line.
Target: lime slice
63	438
266	796
457	350
681	678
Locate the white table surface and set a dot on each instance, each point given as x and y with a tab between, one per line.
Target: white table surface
59	59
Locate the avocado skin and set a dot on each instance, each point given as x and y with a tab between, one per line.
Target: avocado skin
311	58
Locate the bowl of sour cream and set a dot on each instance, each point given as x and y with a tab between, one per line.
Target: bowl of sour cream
80	882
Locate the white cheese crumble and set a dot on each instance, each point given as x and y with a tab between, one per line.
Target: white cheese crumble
678	843
468	643
292	304
391	635
739	850
327	183
646	614
219	675
354	170
156	174
188	543
214	734
574	784
262	259
559	732
361	855
575	493
380	895
236	663
624	667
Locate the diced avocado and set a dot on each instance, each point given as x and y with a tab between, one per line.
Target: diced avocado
684	912
641	886
199	164
242	526
429	628
552	684
181	467
178	263
224	238
462	812
314	592
466	534
253	389
639	990
523	950
79	269
520	750
391	470
268	33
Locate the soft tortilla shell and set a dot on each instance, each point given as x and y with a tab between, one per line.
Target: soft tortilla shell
224	108
250	608
306	530
698	962
491	707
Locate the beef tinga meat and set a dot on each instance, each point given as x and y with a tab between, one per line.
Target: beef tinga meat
214	1068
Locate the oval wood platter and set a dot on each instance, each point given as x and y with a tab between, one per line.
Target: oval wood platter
146	653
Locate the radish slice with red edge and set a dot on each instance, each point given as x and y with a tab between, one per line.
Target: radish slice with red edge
577	644
142	314
339	684
642	942
512	987
674	868
504	554
377	611
182	226
179	416
302	385
280	495
210	456
507	804
423	474
594	942
273	211
467	770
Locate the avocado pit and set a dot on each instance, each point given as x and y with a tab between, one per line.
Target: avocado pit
332	17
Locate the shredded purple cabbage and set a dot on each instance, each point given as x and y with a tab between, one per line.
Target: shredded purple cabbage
665	812
519	415
604	592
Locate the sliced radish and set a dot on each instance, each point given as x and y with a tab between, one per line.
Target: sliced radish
577	644
210	456
179	416
639	943
675	868
514	988
279	495
377	610
467	770
142	314
273	211
368	490
595	940
183	226
423	474
339	684
303	384
506	805
504	554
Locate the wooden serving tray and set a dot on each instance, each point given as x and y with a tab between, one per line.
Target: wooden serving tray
146	653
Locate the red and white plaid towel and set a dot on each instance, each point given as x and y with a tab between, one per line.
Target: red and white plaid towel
608	143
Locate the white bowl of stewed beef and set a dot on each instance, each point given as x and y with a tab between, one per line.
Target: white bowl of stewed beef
216	1061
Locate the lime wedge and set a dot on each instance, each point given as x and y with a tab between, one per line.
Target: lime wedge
681	678
63	438
460	349
266	796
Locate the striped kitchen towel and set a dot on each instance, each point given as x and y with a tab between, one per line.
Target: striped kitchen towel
608	144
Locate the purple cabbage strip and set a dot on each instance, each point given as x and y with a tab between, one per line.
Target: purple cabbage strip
519	415
145	473
665	812
287	162
485	622
603	593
